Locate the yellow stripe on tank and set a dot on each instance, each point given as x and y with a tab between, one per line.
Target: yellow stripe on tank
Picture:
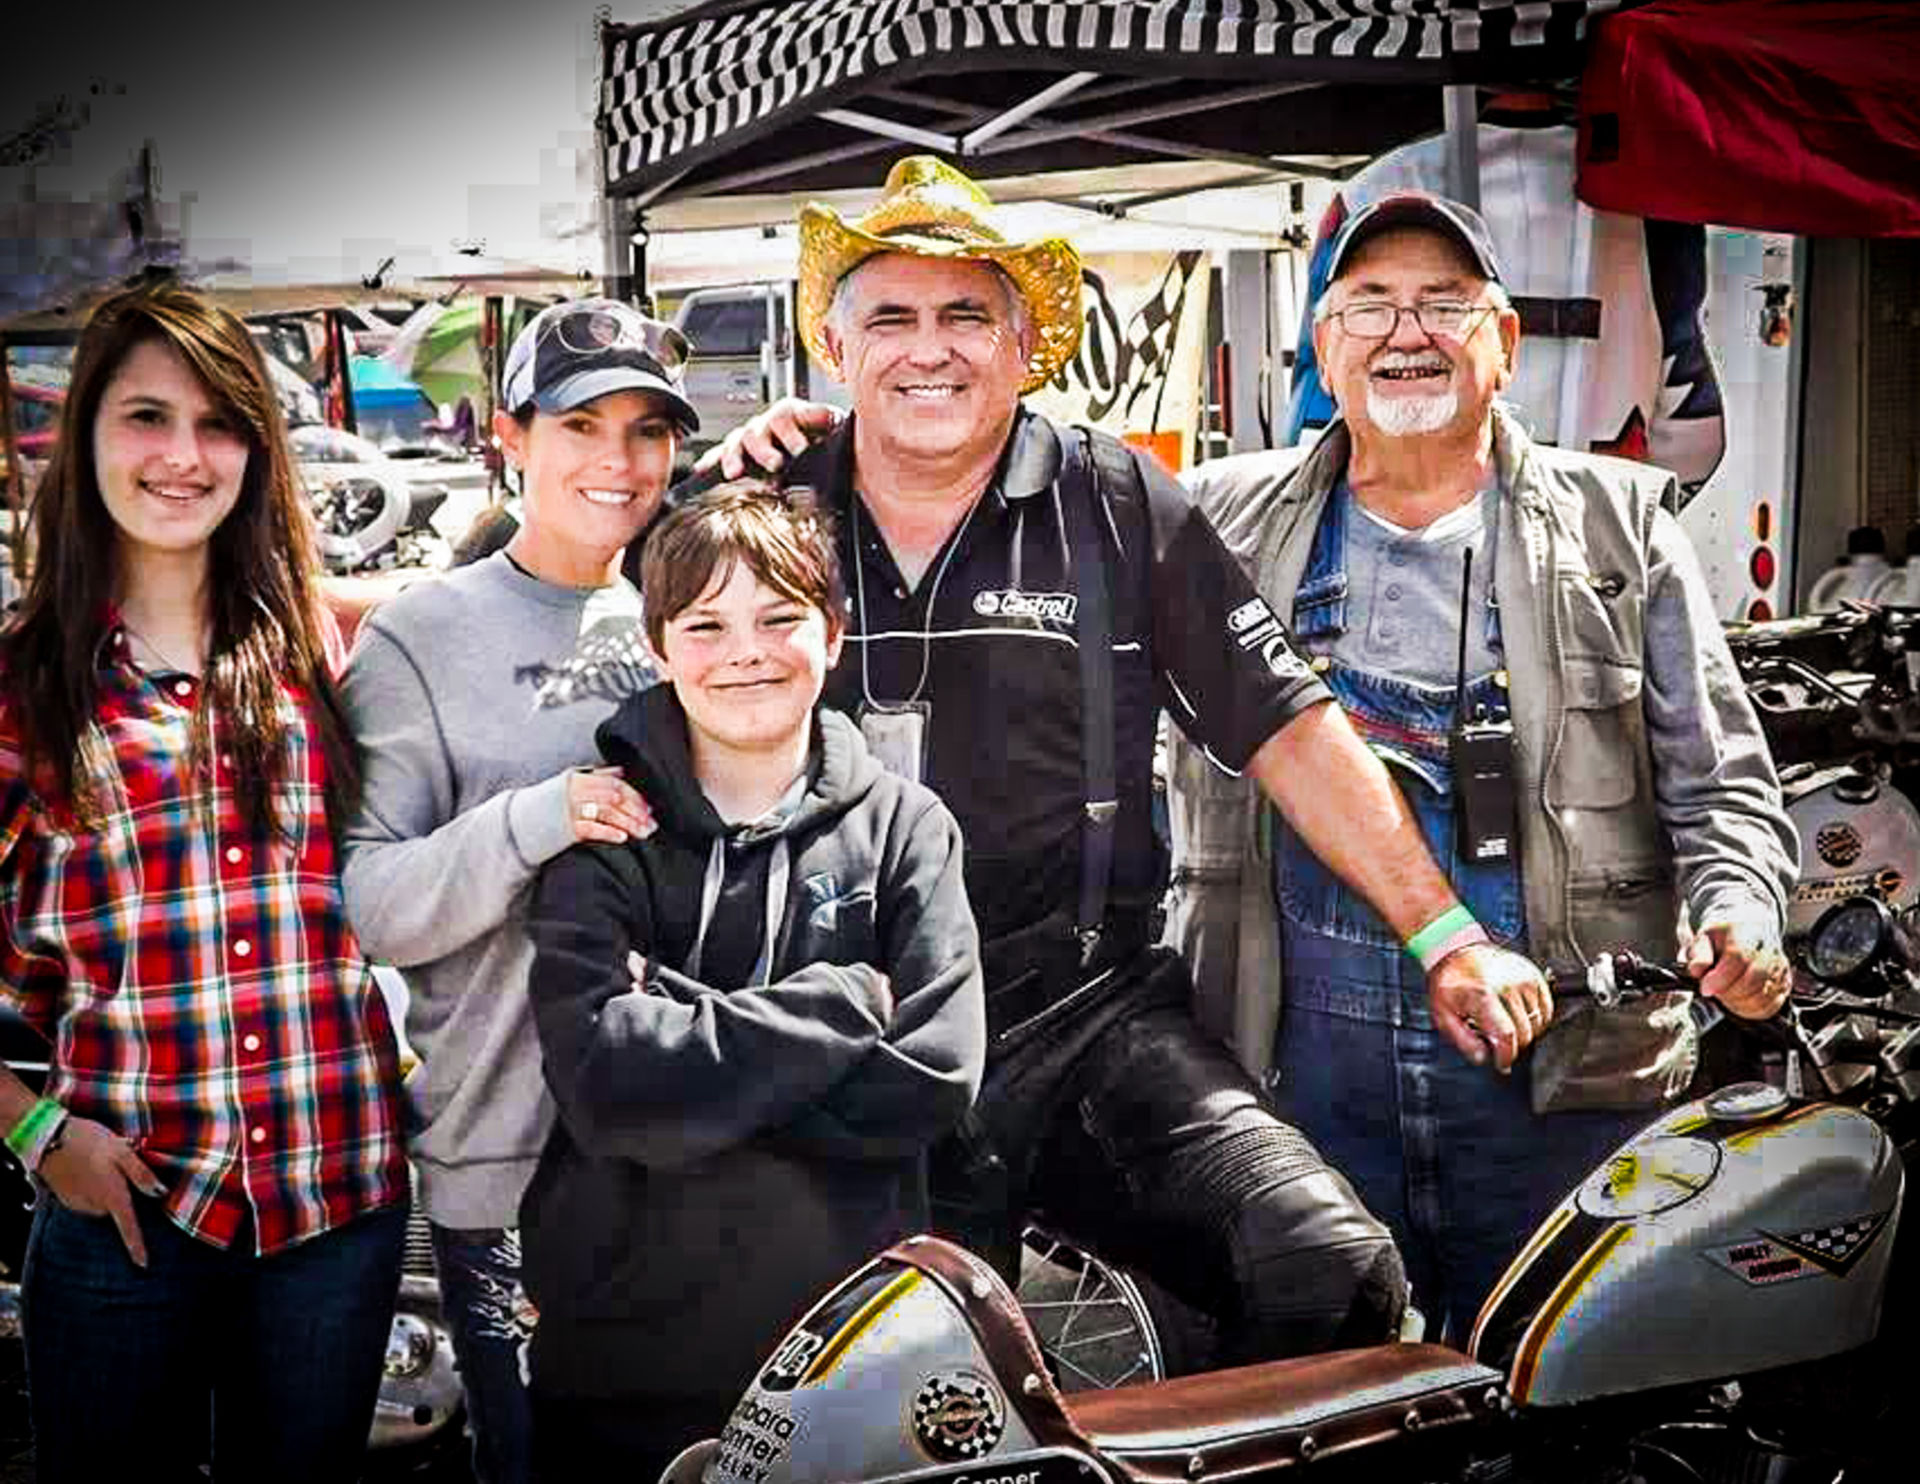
1749	1137
1549	1229
1528	1358
861	1321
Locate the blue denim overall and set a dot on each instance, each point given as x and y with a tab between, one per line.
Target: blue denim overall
1449	1155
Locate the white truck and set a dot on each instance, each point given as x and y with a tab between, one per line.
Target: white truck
745	355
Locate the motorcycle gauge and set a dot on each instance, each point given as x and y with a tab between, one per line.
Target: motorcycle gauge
1848	944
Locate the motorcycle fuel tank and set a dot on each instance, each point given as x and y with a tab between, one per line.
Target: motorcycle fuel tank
1737	1232
886	1377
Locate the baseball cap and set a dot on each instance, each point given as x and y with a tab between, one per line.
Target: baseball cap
1461	224
572	352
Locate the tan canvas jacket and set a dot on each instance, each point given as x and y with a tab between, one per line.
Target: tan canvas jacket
1608	860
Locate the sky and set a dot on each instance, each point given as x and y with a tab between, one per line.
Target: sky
311	140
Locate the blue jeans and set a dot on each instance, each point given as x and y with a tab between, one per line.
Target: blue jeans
124	1366
491	1321
1449	1155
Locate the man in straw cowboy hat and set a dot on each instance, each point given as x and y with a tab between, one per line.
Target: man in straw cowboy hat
1025	600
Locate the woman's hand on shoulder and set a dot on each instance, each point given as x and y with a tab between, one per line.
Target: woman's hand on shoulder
603	806
92	1171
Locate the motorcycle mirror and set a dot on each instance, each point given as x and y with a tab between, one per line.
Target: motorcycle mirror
1852	947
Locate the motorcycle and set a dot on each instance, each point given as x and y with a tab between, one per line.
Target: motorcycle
374	510
1718	1301
1838	696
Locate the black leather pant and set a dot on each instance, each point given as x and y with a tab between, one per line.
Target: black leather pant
1133	1133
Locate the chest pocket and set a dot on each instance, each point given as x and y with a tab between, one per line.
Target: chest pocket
1604	737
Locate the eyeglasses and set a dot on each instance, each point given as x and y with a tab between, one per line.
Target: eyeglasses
593	330
1377	320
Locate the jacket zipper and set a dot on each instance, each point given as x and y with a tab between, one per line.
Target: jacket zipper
1555	827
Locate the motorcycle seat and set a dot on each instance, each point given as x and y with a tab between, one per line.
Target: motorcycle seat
1225	1423
1283	1412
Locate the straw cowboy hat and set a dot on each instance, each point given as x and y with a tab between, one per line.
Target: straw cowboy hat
931	210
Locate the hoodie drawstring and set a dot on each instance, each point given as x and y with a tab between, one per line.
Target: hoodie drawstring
779	871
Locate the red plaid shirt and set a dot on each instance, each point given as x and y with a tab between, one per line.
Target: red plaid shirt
199	984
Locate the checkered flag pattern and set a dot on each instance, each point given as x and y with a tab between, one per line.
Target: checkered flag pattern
672	92
1836	1243
957	1418
1147	342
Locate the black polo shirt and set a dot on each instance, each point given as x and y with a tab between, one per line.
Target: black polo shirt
1002	672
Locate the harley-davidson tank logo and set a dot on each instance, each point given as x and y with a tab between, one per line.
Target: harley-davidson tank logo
1886	883
1837	844
1774	1258
958	1416
1760	1262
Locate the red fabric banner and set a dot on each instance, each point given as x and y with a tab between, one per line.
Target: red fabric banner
1778	115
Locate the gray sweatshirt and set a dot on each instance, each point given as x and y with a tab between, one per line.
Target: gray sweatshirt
472	694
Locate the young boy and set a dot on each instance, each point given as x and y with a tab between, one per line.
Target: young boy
745	1117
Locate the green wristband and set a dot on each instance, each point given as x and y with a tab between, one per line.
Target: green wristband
1455	919
22	1135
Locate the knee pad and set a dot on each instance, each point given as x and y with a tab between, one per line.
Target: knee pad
1316	1270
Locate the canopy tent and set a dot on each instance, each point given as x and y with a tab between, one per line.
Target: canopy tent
800	96
1784	115
439	349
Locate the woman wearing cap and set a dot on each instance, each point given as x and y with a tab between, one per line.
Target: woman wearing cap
475	697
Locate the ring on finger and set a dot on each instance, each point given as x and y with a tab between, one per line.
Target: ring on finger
590	811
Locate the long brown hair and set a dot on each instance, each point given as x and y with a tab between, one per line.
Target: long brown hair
261	584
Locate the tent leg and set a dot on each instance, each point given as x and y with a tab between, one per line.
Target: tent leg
1460	111
635	289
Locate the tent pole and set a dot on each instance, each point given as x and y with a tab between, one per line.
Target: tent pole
615	271
616	266
492	324
637	291
1460	110
615	274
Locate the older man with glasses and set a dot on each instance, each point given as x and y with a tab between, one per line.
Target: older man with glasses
1522	633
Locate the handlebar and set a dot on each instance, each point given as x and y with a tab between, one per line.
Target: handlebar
1614	978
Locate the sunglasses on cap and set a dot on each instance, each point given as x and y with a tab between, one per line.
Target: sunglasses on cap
592	330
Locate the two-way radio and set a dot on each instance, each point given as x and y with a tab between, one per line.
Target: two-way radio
1481	750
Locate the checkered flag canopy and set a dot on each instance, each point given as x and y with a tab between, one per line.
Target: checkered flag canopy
702	84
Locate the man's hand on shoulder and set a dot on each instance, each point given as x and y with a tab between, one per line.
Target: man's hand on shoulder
1486	999
1738	962
784	430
